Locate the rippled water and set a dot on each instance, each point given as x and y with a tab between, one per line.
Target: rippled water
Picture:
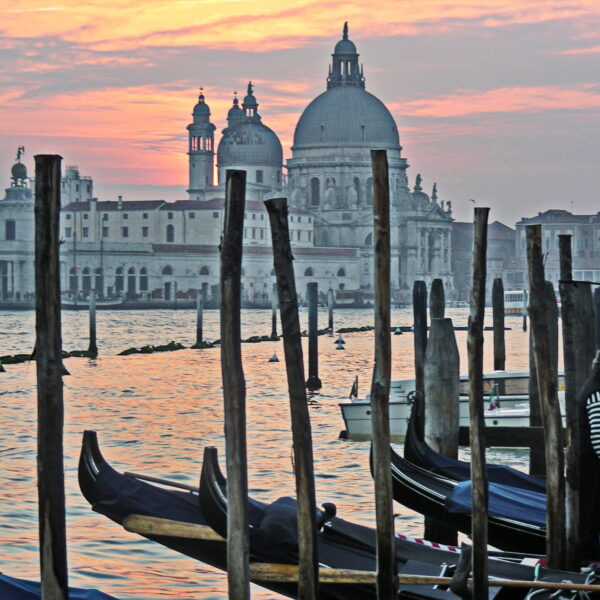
155	413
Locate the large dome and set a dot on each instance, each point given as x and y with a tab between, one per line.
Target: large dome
346	115
249	143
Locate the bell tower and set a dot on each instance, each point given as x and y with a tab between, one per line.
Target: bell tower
201	150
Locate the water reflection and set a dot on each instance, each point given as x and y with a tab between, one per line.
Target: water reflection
155	413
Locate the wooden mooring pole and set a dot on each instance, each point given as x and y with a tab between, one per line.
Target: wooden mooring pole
274	294
541	312
330	303
597	316
498	322
313	382
479	533
420	332
441	372
199	316
380	386
437	300
93	347
48	355
234	388
537	456
308	572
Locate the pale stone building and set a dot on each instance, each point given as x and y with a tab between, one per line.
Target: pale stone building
152	250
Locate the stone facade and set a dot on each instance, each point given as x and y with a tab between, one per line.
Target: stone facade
154	250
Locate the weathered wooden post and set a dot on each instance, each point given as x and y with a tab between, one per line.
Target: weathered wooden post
330	308
93	347
567	309
479	533
48	354
540	313
537	457
313	382
199	317
380	387
437	300
234	387
498	322
442	373
308	572
597	316
420	332
274	292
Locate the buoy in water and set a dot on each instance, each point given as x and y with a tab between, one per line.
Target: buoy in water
340	346
274	358
398	331
340	339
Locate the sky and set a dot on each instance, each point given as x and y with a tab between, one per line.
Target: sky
496	101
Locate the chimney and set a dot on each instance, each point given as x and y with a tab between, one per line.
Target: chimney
120	202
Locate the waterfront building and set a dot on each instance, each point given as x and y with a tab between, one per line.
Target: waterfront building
154	250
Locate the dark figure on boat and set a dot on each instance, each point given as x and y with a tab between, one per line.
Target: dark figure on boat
588	402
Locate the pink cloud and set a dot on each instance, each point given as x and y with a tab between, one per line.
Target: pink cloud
503	100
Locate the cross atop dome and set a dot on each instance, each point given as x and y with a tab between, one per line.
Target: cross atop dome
344	69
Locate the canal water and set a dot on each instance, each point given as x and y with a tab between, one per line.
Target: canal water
155	413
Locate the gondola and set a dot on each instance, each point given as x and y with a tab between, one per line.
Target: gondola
342	544
419	453
12	588
511	526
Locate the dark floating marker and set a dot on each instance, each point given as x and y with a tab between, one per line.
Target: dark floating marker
339	346
313	382
274	358
340	339
397	331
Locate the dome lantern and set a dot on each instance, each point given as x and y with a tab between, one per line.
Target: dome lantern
250	105
235	113
19	170
345	70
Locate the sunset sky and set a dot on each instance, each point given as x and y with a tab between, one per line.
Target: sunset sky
496	101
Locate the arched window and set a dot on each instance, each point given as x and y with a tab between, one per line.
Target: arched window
86	280
370	190
341	272
204	270
99	282
131	283
309	272
143	279
131	271
170	233
369	240
356	183
73	284
167	270
119	279
315	191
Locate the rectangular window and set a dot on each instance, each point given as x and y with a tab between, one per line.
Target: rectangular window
245	233
262	234
215	215
68	217
125	216
309	236
253	233
105	232
125	231
310	219
169	215
254	216
262	217
86	231
104	217
144	232
192	215
291	218
299	219
85	216
67	232
11	230
259	176
145	216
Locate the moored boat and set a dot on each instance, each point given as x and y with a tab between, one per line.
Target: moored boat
505	395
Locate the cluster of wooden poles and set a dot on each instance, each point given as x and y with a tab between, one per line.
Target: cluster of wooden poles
52	529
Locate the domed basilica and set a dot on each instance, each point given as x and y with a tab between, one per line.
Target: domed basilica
156	251
329	175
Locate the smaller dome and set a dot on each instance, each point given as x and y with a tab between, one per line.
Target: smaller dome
250	99
19	172
345	46
235	112
201	108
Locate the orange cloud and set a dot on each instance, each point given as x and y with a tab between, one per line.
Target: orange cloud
503	100
592	50
263	25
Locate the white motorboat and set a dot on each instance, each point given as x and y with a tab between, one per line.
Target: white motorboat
505	396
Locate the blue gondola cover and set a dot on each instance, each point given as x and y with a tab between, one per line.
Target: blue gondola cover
21	589
504	501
